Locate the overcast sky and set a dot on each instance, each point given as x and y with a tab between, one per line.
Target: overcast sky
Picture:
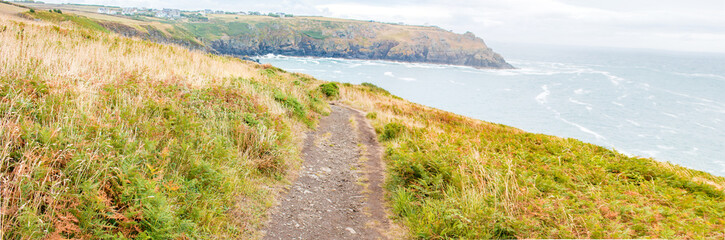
680	25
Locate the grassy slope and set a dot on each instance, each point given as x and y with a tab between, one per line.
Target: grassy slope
454	177
106	137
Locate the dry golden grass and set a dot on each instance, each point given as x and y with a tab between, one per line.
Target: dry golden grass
64	83
10	9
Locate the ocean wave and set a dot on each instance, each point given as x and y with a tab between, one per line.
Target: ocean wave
700	75
425	65
670	115
633	122
541	98
705	126
583	129
581	91
692	97
588	106
555	68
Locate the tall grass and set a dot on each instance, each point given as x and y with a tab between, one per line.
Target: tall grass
455	177
110	137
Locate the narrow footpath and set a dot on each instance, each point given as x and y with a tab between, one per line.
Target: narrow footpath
338	193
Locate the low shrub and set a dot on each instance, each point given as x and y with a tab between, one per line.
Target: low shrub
372	115
330	89
374	88
391	131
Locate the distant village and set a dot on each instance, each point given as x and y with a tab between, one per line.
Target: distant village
176	14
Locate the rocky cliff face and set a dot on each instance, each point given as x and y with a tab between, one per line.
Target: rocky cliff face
322	37
361	41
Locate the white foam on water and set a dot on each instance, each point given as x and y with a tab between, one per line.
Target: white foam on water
389	74
693	97
633	122
705	126
583	129
425	65
670	115
581	91
541	98
588	106
504	72
618	104
701	75
407	79
614	79
372	63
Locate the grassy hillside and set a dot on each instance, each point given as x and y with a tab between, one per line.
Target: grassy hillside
110	137
455	177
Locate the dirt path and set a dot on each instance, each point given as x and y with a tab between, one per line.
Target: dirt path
338	193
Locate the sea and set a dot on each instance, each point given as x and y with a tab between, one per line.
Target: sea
669	106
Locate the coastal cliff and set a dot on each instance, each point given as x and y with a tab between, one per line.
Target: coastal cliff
247	36
355	40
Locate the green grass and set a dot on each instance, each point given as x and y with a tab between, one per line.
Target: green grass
451	177
314	34
165	170
330	89
215	30
131	152
542	188
57	17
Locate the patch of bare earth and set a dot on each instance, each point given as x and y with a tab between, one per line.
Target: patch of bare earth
338	193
